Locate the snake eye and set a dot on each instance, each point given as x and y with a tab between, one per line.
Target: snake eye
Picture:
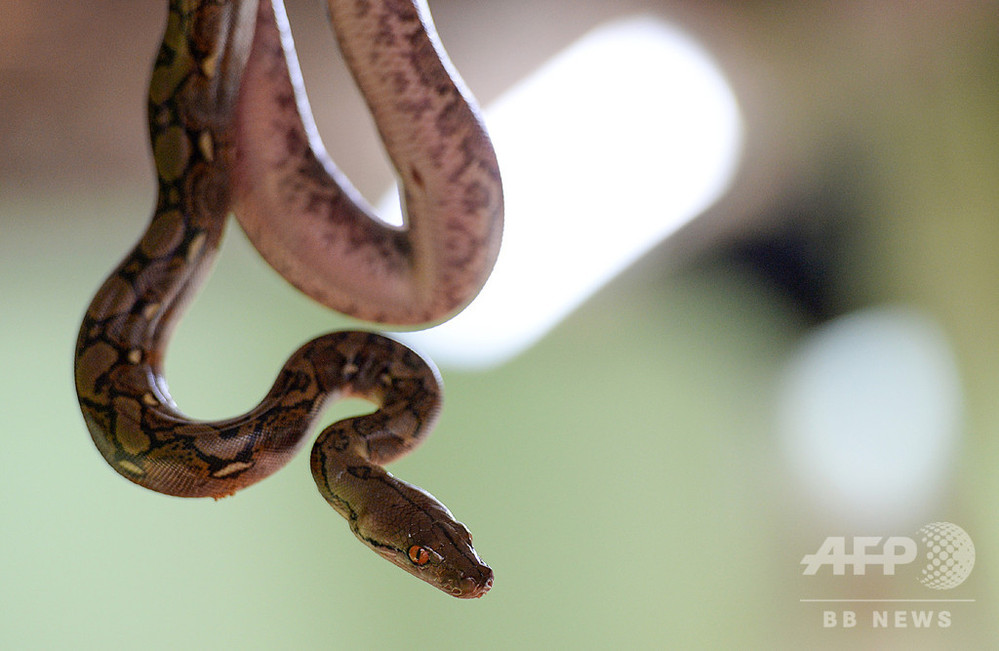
419	555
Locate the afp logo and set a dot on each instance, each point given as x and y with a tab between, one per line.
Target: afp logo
944	550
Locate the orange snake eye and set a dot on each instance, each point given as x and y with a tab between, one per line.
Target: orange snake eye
419	555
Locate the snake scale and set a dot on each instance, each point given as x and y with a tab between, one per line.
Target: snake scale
231	131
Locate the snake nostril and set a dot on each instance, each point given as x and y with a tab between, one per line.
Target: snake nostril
473	588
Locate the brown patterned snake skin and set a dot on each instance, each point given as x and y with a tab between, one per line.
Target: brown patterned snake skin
226	134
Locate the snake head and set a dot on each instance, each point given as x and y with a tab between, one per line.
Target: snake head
448	561
426	541
403	523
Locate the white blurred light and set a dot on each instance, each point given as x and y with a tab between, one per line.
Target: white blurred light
606	150
870	415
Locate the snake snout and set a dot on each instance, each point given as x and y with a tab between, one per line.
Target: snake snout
471	587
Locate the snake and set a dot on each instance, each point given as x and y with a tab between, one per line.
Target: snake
231	132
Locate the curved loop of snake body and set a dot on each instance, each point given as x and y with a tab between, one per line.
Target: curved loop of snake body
202	106
451	184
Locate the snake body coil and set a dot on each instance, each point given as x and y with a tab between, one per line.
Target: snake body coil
227	133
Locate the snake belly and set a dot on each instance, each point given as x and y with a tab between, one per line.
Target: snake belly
194	98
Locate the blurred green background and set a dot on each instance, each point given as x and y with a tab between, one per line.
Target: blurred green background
624	478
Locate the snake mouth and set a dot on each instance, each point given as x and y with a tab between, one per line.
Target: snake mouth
473	588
